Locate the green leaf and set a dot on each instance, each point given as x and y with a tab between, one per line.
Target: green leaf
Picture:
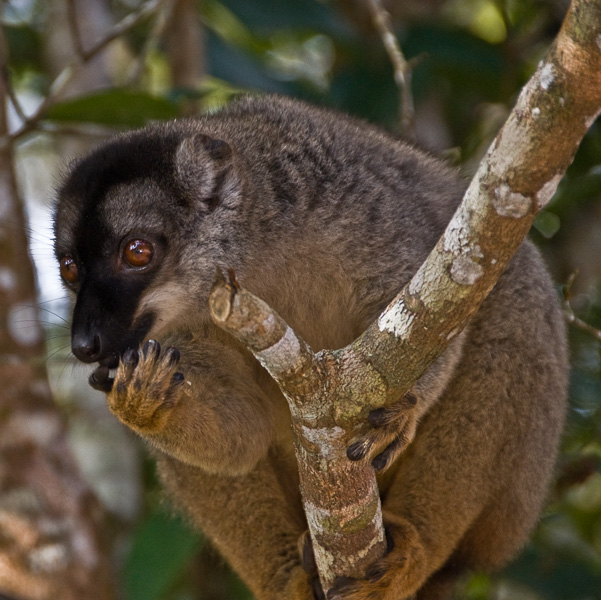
25	46
117	107
162	549
547	223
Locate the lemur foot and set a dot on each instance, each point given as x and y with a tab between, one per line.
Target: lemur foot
393	429
394	571
305	548
346	588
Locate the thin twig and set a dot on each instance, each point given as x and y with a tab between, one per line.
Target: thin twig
160	25
10	92
74	27
402	69
579	323
65	76
129	21
569	314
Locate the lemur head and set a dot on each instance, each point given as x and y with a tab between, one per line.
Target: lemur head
132	221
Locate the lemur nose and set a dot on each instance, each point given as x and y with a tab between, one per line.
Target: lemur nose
87	348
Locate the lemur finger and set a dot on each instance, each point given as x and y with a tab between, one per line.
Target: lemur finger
177	379
130	361
376	571
172	392
317	589
387	423
172	355
383	460
305	550
361	589
100	379
398	445
167	364
359	450
387	415
151	349
342	587
373	442
387	438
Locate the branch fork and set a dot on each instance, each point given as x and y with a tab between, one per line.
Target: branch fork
350	519
331	392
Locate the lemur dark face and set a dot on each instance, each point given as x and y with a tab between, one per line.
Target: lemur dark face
111	244
110	274
123	220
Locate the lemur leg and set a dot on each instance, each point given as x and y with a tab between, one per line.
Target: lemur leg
251	519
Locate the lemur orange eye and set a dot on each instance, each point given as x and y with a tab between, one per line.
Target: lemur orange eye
69	269
138	253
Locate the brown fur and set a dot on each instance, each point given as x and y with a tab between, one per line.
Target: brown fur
326	219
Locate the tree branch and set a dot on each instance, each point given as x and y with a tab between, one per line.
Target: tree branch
569	313
517	177
74	27
185	46
161	21
51	524
83	56
346	528
402	69
330	393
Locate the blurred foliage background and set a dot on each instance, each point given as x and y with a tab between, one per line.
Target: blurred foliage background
179	57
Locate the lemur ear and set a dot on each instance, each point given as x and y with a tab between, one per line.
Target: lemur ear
203	168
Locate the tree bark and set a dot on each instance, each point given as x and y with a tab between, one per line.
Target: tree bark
331	393
185	45
50	543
